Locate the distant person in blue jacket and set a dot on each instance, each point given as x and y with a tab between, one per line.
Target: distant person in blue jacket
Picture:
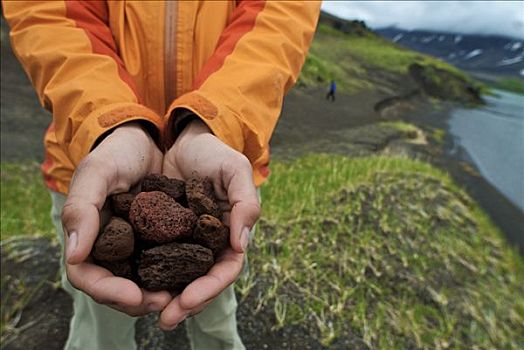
332	90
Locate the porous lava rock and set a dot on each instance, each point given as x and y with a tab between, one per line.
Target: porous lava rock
120	268
121	203
164	237
201	197
157	217
173	266
173	187
211	233
115	242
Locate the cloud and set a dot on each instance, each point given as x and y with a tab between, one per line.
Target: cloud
479	17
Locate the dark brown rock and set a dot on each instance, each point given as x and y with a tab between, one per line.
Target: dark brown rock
157	217
120	268
173	266
211	233
121	203
173	187
115	242
201	197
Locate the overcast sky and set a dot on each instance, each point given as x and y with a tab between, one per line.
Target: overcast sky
483	17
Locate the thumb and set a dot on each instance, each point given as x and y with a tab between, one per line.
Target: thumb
80	215
245	205
243	217
80	222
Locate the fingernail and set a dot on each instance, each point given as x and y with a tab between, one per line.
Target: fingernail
244	238
72	242
167	329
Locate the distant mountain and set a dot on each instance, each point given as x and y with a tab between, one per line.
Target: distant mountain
361	61
481	53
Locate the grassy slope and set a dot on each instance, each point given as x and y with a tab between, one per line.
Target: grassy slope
385	250
515	85
351	59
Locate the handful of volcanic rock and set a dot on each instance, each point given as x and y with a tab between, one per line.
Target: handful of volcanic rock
164	237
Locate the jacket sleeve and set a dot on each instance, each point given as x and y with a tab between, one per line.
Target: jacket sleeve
70	56
239	91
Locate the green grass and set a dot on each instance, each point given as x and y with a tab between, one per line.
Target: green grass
25	201
438	135
316	70
387	251
307	183
383	54
400	125
511	84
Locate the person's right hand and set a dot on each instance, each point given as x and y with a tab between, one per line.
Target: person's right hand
117	163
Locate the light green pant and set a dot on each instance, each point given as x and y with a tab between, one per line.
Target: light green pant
98	327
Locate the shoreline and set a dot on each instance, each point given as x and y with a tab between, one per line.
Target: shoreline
505	214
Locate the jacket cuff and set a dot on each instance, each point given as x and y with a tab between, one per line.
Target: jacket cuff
104	119
222	121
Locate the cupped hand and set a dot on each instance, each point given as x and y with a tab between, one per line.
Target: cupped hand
123	158
198	152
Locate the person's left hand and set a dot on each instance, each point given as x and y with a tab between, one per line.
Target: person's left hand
198	151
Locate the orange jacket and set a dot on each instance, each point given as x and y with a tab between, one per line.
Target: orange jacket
97	65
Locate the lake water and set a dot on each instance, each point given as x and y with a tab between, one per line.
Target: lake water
494	138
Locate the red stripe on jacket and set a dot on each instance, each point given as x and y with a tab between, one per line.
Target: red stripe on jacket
93	17
242	21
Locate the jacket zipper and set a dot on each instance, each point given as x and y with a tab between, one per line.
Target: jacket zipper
170	76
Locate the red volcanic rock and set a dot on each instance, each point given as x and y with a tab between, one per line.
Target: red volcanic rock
156	217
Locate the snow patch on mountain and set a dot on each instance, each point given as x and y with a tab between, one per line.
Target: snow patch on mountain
513	46
427	39
473	53
488	53
398	37
508	61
